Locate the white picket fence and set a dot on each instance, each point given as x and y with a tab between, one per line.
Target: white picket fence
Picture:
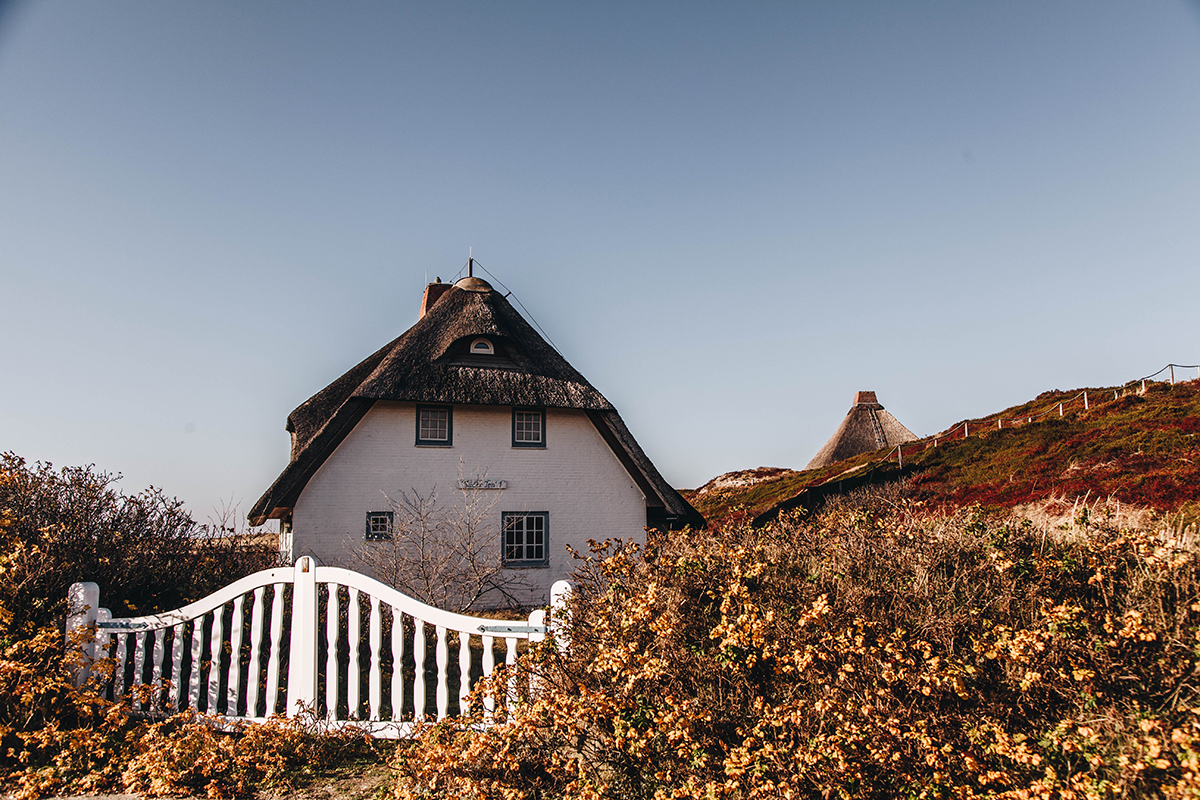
210	656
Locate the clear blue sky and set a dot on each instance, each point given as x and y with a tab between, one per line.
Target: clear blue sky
729	217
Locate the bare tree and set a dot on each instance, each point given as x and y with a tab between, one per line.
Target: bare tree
448	556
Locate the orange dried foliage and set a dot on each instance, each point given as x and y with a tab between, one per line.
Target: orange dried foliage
872	650
56	739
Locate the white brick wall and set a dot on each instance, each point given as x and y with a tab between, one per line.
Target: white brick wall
576	478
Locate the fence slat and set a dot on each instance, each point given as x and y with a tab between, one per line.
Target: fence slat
376	689
443	667
236	622
176	666
119	672
489	666
510	661
331	645
139	667
353	634
397	663
156	670
194	672
464	671
418	670
254	666
272	704
216	640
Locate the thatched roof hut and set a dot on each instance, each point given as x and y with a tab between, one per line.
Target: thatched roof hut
431	362
866	427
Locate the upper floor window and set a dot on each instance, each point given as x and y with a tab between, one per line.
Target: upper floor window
529	427
435	426
482	347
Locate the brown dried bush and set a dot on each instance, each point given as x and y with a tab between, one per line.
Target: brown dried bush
870	650
58	527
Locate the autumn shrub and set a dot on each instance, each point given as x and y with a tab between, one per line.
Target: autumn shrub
59	526
871	650
57	739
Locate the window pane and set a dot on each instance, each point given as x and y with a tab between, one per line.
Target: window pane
435	424
525	538
528	426
379	525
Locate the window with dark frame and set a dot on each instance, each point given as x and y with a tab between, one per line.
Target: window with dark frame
379	526
525	538
435	426
529	427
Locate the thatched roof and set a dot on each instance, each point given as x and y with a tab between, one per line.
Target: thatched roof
430	363
867	427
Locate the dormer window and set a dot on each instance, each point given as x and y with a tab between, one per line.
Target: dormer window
482	347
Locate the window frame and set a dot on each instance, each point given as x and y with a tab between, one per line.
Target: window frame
449	440
372	535
512	563
539	445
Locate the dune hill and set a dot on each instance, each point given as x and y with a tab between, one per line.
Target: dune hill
1128	446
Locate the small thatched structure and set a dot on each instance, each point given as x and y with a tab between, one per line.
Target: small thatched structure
431	363
867	427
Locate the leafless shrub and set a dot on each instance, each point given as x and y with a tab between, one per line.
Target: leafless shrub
446	555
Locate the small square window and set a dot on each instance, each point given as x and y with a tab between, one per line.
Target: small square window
529	427
526	538
379	526
435	426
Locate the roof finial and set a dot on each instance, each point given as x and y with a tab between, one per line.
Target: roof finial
470	264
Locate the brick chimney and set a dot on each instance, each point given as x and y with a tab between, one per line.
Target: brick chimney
433	293
865	398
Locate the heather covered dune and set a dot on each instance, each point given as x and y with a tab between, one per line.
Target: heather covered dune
1139	448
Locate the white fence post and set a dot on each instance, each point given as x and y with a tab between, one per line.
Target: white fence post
302	654
1085	402
560	614
83	601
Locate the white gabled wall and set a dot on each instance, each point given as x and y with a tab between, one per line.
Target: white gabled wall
576	478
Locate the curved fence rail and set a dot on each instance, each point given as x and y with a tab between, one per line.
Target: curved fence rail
227	654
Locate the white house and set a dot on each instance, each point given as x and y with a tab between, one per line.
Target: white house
469	400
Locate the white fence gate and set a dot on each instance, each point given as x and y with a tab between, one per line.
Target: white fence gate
214	657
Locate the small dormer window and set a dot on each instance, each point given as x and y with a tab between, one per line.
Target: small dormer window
482	347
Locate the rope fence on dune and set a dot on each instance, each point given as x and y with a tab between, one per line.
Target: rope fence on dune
967	427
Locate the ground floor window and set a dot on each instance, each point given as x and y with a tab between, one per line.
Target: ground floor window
525	537
379	525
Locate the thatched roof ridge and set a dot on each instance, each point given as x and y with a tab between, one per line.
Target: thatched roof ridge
426	365
659	494
866	427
